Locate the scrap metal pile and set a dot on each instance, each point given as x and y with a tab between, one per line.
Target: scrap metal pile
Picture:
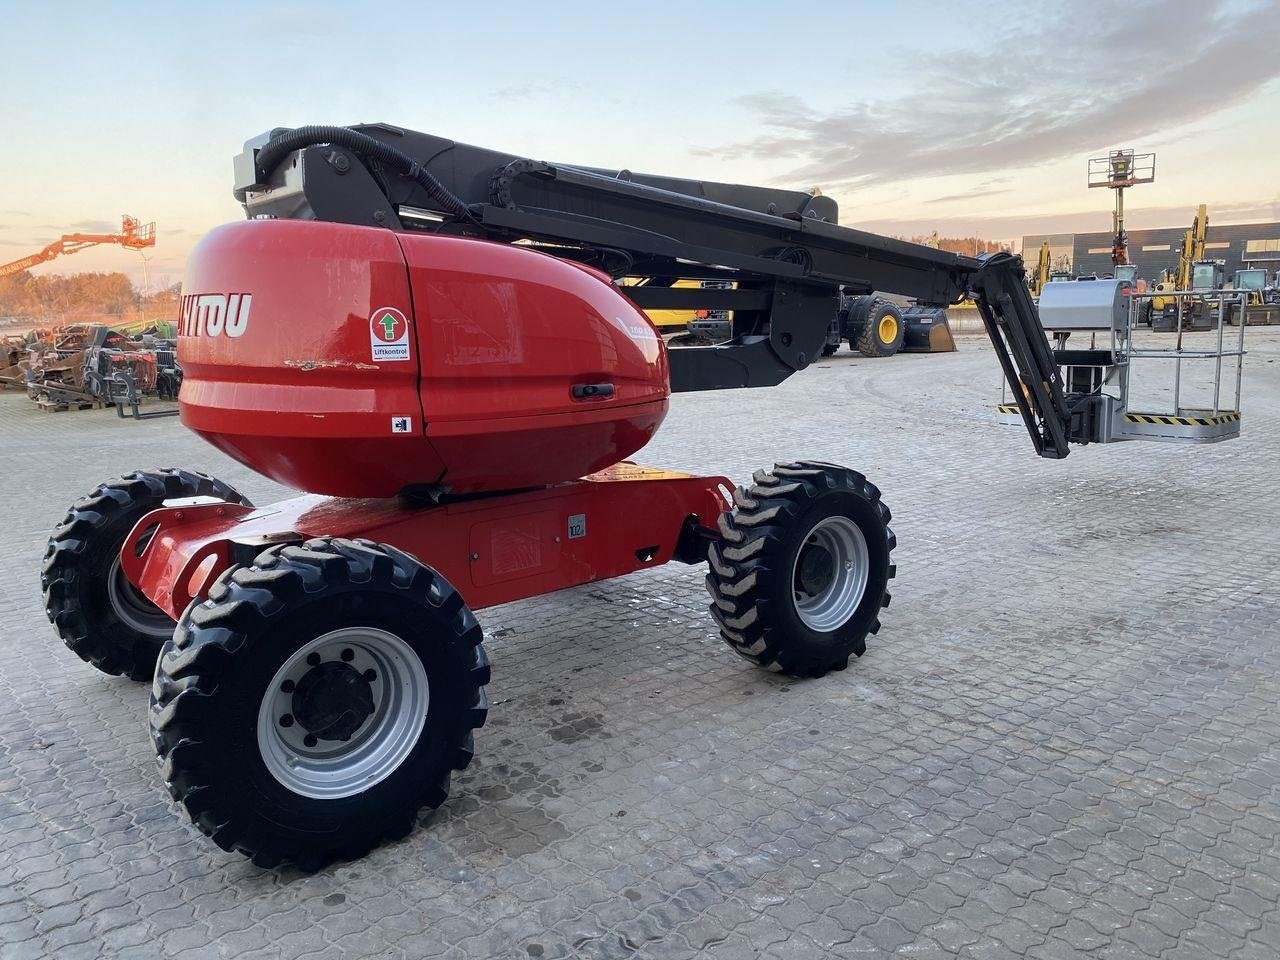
88	364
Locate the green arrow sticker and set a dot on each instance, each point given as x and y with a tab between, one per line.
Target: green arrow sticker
388	334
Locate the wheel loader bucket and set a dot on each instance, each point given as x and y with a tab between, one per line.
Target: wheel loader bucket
927	331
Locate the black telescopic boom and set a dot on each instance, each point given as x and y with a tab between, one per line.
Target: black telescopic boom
784	256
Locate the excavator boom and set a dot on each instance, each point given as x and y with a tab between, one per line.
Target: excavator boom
1044	270
1193	247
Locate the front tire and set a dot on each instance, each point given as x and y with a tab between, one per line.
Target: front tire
802	571
883	332
318	700
102	617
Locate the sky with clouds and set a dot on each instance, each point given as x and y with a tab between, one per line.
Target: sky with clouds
964	117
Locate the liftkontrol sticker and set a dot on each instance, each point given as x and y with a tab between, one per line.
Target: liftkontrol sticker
389	334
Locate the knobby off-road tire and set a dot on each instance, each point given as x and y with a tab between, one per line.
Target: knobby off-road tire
99	614
802	571
317	701
883	332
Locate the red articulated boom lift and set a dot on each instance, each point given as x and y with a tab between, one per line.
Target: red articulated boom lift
460	407
133	235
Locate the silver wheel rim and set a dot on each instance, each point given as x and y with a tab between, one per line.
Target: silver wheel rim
132	606
829	576
328	766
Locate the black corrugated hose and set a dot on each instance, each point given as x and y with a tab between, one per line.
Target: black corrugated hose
277	148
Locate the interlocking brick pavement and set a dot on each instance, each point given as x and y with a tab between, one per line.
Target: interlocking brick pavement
1064	741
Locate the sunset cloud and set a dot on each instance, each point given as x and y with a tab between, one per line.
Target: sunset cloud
1091	73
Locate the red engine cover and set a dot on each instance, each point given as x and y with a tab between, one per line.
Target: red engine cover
358	362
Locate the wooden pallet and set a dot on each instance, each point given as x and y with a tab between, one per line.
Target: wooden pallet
54	406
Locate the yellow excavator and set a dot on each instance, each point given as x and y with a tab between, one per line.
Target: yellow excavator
1165	309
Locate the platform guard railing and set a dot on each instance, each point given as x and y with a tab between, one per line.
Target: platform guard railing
1126	351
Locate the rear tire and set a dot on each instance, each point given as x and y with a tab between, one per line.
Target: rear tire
883	332
801	574
317	701
101	617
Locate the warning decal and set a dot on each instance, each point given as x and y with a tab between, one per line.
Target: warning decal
389	334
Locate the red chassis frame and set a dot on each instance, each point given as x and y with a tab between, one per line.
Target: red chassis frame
492	549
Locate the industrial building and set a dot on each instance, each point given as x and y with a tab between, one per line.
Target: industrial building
1237	245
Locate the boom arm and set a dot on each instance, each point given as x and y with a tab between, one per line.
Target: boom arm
133	235
783	251
1043	270
1192	248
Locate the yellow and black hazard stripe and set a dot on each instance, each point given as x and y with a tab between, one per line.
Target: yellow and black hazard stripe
1008	408
1182	421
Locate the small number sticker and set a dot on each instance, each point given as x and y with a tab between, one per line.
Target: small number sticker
402	424
577	526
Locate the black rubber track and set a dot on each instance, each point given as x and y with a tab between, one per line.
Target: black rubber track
750	568
868	341
79	557
204	691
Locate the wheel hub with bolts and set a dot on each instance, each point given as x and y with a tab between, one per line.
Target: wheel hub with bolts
332	700
343	712
830	574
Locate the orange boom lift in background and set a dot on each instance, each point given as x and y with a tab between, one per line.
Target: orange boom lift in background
133	235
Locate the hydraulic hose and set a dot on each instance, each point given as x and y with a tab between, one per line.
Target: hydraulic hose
277	148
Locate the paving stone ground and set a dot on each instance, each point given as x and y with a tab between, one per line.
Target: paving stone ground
1063	742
